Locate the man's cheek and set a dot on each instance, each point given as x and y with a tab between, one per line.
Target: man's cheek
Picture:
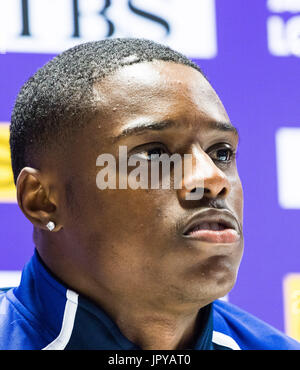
236	199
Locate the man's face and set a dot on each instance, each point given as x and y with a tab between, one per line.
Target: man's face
131	242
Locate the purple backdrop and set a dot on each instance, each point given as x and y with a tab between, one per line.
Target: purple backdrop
260	91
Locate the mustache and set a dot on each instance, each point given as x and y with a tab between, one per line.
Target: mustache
205	202
216	204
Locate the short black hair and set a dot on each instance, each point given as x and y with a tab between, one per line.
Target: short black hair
58	98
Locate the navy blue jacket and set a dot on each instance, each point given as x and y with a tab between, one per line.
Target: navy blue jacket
42	313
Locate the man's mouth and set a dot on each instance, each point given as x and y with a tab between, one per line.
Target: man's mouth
213	226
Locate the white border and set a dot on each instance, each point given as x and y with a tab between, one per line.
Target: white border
64	336
224	340
10	278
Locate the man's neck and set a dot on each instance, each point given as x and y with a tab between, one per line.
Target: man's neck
159	331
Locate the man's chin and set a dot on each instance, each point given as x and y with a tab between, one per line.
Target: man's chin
210	286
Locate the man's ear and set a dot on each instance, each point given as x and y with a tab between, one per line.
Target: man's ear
33	198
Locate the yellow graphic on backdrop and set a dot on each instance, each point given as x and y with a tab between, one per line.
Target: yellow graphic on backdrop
7	186
291	291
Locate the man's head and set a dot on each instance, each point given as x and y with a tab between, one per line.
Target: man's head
60	97
143	246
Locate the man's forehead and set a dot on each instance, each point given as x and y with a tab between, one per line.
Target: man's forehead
152	95
149	75
155	85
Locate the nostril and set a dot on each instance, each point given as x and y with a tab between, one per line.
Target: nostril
223	192
195	190
209	193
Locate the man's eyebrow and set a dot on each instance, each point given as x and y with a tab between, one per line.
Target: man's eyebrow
224	126
141	127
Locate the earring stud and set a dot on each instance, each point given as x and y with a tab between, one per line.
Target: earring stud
50	225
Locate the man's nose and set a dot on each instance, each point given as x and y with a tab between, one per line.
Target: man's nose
203	178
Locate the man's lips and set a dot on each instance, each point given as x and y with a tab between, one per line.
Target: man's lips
213	226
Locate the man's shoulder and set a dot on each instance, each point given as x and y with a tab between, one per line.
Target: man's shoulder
18	328
248	331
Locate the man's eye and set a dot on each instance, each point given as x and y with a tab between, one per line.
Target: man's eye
222	155
151	153
155	151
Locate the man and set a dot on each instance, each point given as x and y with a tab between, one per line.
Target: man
118	266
